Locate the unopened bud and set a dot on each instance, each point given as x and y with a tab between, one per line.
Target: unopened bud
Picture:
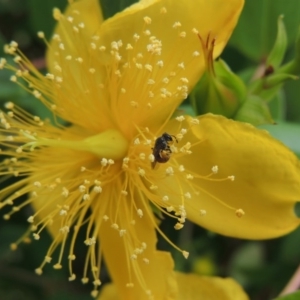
221	92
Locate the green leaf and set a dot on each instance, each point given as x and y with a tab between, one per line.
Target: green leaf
256	31
248	258
293	67
294	296
267	87
278	106
288	251
2	43
277	54
254	111
12	7
70	295
111	7
8	88
277	79
292	91
287	133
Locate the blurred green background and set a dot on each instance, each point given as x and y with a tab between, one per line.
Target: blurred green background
262	267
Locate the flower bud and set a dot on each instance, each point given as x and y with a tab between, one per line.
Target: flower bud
219	91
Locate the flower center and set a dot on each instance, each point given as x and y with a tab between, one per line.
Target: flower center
110	143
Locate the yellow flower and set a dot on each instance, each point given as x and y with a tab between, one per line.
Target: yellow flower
117	84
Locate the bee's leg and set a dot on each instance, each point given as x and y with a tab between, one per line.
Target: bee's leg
153	164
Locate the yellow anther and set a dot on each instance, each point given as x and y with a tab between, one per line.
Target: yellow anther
239	213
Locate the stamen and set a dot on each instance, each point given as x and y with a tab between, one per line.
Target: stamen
239	213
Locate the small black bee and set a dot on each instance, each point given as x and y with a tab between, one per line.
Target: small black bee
162	151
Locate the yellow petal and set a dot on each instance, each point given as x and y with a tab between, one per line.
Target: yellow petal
266	185
87	12
209	288
144	26
136	275
126	65
109	292
76	76
192	287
